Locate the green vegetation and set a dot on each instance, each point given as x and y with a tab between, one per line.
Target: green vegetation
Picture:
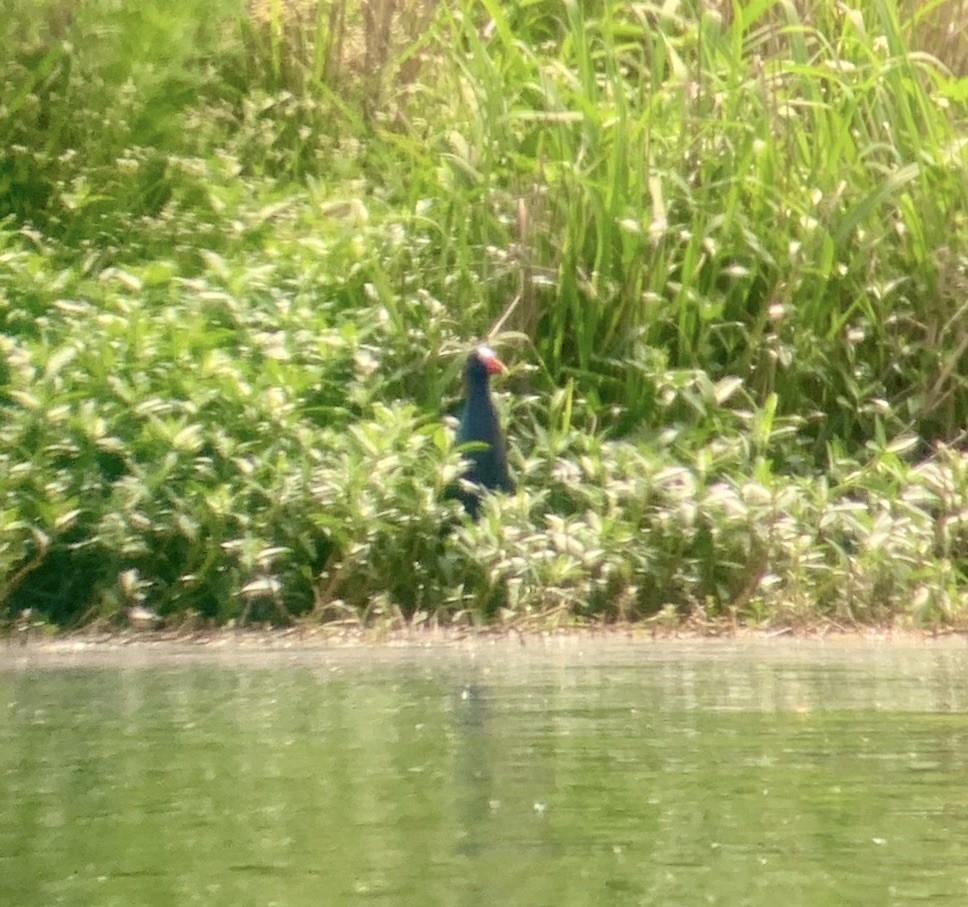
244	250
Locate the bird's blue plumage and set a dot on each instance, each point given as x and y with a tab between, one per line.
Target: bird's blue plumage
487	466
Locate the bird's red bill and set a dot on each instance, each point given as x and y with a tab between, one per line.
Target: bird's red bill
489	358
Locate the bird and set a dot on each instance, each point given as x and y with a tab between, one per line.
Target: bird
487	465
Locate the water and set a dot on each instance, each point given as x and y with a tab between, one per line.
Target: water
555	773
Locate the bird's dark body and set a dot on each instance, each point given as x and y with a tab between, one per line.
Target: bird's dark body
479	424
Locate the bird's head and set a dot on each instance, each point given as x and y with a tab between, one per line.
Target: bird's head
481	363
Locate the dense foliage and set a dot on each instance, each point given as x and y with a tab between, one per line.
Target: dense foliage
244	250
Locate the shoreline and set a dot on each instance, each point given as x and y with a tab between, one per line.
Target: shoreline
330	638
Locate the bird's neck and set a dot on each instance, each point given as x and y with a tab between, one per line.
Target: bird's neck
479	399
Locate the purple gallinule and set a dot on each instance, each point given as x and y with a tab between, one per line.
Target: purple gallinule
487	462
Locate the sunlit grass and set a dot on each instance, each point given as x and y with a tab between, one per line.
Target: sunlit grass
244	252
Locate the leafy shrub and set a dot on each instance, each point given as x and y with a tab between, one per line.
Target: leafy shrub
239	271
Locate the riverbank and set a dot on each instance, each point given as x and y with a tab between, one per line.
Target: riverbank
242	263
91	646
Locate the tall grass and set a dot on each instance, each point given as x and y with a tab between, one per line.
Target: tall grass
243	252
770	198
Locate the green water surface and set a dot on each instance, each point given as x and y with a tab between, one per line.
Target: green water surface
552	773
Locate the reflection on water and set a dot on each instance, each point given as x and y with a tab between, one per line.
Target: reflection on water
572	773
